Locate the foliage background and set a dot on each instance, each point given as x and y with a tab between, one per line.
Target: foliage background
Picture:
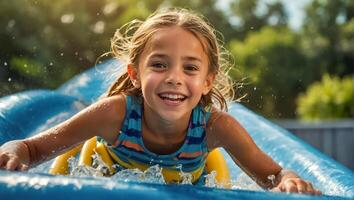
44	43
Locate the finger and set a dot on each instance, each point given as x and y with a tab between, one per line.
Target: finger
276	189
3	160
309	188
22	167
301	188
318	192
12	164
290	186
280	188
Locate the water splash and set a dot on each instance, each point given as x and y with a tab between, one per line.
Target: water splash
98	169
151	175
210	180
154	174
244	182
128	175
100	166
186	177
272	179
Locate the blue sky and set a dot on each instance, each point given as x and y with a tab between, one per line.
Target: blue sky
295	10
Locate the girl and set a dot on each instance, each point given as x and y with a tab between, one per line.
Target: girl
167	108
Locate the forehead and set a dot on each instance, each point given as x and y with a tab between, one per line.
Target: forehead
176	40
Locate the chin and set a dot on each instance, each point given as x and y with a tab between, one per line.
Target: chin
172	116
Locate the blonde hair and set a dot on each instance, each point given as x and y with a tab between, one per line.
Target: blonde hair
129	41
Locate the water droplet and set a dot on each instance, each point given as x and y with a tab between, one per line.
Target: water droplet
67	18
210	179
243	181
11	23
271	178
99	27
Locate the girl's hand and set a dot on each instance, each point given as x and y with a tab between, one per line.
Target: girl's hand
14	156
296	185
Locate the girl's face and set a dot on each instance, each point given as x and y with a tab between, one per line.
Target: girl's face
172	73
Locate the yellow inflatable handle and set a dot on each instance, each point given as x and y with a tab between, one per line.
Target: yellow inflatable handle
87	150
214	162
60	164
102	151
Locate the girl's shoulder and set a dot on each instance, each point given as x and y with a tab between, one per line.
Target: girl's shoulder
110	113
214	115
114	107
219	125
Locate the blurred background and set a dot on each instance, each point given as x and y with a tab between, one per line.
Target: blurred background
294	60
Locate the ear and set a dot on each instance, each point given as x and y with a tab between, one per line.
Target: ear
133	75
208	84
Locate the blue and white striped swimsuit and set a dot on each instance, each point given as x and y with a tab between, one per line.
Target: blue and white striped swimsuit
129	150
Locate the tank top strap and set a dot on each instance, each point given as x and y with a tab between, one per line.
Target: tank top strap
131	126
196	138
199	121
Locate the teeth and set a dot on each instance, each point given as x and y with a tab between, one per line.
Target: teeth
172	96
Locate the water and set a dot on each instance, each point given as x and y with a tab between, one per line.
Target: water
210	180
151	175
244	182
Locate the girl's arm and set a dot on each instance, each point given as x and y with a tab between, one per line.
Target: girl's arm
102	118
224	131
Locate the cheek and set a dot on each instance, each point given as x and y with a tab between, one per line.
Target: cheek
197	84
149	81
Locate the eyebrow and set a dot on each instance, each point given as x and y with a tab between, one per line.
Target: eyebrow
190	58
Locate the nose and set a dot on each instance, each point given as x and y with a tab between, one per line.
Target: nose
174	76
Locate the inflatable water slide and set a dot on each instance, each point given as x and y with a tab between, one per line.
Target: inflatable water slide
30	112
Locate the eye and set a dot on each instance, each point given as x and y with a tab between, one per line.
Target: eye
159	65
191	68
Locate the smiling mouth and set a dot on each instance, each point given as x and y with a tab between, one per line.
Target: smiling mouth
172	97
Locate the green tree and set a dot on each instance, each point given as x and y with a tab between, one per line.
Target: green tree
331	98
217	18
346	46
251	18
322	35
274	68
47	42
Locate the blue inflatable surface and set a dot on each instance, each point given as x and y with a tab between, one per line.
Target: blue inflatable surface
27	113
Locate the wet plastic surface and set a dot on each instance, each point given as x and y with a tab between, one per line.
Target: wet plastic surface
27	113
